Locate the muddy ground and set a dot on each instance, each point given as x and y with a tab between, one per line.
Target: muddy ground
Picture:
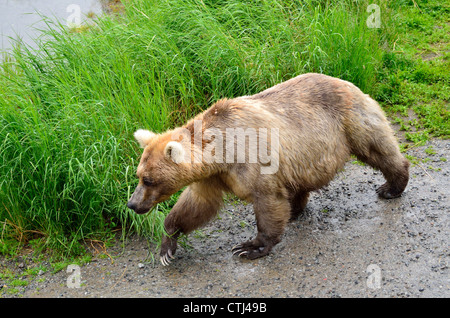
348	243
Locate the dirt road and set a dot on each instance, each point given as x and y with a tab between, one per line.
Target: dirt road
348	243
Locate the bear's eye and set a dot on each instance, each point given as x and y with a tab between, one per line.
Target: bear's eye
148	182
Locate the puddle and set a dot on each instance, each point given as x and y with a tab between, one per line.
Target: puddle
23	18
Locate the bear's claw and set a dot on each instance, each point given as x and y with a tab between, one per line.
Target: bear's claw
168	249
249	250
239	249
166	259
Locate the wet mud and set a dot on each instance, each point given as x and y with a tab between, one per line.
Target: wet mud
348	243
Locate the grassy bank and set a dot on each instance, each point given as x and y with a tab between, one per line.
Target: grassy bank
68	111
414	83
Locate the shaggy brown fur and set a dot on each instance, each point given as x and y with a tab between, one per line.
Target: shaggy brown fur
321	121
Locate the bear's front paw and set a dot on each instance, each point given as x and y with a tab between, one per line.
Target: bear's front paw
251	249
168	249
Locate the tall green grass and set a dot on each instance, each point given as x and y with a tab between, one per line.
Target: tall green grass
68	110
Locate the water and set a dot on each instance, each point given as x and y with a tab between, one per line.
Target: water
22	18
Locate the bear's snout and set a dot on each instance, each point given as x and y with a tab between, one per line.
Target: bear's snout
138	202
139	209
131	205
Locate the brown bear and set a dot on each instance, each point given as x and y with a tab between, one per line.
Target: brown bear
270	149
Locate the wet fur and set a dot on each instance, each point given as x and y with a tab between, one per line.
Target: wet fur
321	120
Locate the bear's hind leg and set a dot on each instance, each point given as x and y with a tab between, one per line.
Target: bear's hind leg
395	169
298	203
272	214
397	178
372	140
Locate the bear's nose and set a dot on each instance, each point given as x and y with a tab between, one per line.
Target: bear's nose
131	205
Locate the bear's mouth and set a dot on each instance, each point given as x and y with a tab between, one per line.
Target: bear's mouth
139	208
142	210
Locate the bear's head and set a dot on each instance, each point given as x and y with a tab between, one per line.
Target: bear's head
160	170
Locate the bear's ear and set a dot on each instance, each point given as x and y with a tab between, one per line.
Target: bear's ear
174	150
143	137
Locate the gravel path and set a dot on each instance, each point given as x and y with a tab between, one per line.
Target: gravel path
348	243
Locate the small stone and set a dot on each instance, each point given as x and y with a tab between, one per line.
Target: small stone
140	265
